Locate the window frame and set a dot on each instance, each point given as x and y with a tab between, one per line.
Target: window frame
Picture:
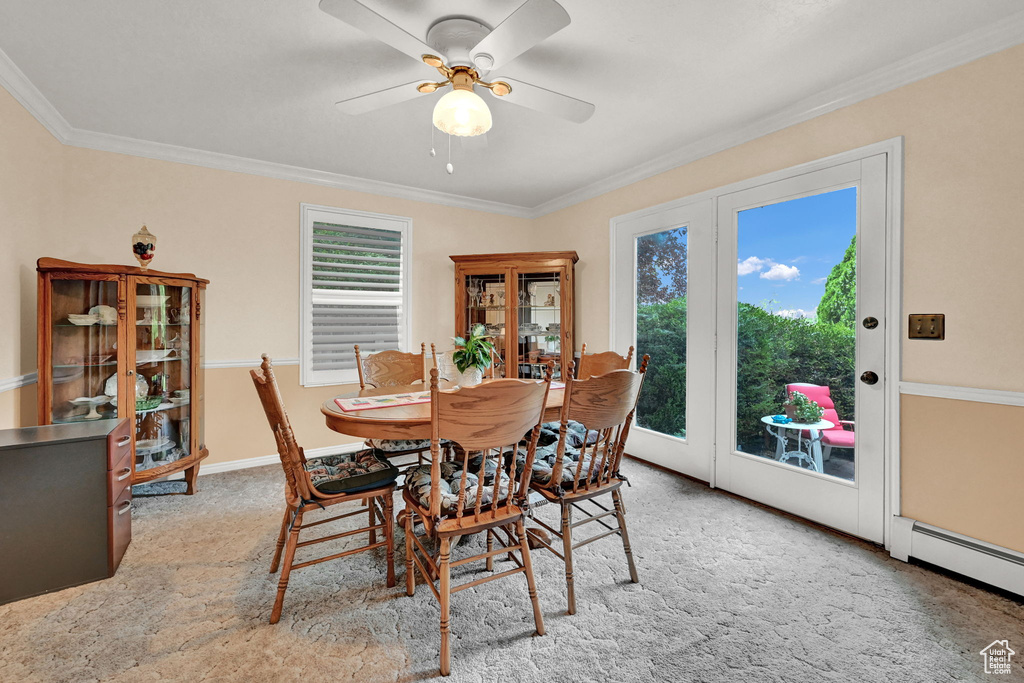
315	213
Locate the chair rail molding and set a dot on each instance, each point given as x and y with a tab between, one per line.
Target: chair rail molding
17	382
956	393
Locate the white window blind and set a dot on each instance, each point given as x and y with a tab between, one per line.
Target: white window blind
355	274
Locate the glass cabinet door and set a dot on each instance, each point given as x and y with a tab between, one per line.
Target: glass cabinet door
540	322
163	373
485	305
83	352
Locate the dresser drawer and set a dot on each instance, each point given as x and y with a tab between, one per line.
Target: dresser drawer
119	442
119	525
119	476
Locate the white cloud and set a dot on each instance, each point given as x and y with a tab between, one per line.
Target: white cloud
780	271
796	313
752	265
819	280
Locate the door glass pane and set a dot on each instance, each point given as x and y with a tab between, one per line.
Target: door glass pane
540	320
84	353
163	374
661	329
796	309
485	305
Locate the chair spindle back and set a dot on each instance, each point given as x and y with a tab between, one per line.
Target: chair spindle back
292	457
487	421
604	404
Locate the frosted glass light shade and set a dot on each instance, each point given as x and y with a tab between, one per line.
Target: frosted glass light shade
462	112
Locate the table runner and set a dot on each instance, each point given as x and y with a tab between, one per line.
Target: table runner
394	400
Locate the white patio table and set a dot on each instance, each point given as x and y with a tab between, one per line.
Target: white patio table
813	458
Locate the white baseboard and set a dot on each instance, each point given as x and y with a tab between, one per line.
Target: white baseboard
263	460
986	562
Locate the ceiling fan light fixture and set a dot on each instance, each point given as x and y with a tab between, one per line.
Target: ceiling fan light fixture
462	112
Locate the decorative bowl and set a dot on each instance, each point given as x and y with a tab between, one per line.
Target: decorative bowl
147	403
107	315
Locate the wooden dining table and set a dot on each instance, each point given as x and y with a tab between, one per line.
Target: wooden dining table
402	422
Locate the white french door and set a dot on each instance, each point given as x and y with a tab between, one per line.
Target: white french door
841	345
723	291
663	305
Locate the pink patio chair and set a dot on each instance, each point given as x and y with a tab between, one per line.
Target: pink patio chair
838	436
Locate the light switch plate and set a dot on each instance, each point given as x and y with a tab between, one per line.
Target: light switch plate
927	326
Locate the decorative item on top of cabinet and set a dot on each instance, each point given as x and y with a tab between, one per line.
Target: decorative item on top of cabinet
534	322
143	246
143	354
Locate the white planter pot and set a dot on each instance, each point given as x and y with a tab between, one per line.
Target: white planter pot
471	377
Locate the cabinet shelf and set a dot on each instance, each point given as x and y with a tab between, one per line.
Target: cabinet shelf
172	303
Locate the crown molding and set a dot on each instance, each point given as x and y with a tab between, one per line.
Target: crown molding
27	94
966	48
956	52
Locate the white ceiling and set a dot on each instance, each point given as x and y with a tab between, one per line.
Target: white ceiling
258	79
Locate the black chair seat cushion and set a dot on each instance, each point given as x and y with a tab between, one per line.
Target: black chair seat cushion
350	472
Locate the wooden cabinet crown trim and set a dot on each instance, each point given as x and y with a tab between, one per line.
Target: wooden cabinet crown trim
46	265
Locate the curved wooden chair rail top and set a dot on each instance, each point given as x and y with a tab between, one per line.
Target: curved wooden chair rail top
491	415
602	363
292	457
392	367
605	400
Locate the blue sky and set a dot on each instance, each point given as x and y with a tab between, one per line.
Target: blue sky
786	250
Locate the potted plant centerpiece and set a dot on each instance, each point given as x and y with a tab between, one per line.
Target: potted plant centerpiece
801	409
473	355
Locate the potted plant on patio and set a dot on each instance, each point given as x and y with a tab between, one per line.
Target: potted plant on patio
801	409
473	355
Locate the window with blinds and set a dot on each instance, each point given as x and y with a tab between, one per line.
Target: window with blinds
354	283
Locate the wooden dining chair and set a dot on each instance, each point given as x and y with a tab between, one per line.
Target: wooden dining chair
392	368
600	363
593	427
321	482
479	491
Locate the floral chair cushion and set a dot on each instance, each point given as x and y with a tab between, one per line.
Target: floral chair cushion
417	483
547	448
349	472
398	445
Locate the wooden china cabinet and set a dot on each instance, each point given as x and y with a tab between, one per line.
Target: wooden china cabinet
526	301
122	342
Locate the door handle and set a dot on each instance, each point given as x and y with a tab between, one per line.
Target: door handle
869	377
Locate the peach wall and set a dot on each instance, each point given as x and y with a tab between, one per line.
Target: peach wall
963	464
30	199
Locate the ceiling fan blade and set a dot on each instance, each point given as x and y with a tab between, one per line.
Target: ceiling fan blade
548	101
534	21
366	20
378	100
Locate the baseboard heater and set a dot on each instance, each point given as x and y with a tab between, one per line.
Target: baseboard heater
986	562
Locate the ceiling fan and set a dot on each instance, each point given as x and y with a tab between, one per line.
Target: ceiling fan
464	50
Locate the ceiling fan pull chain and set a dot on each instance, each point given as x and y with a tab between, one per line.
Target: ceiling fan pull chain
432	152
449	167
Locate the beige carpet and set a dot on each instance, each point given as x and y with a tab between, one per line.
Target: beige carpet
730	592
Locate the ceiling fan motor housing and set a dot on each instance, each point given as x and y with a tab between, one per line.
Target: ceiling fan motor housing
455	37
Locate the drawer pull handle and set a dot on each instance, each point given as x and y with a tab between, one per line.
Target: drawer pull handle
125	473
124	440
125	507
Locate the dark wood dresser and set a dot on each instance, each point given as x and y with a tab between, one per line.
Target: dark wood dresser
65	505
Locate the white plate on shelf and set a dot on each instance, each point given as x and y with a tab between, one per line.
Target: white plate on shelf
153	445
151	300
151	355
83	320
